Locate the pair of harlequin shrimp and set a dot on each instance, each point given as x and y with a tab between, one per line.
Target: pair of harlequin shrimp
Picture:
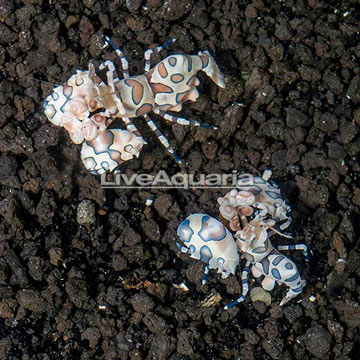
86	105
254	210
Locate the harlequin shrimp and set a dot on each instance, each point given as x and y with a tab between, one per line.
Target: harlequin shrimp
254	196
254	244
254	210
207	239
86	105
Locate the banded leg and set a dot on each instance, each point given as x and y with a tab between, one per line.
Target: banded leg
301	247
285	224
282	216
124	62
149	52
111	83
183	121
245	287
110	73
274	229
206	272
164	141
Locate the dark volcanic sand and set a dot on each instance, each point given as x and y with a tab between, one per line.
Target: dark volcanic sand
104	290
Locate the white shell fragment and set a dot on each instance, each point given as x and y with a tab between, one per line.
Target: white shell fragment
86	212
182	287
149	202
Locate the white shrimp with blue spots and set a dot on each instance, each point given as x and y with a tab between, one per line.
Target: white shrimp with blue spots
208	240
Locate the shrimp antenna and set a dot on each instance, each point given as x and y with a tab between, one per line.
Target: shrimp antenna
43	81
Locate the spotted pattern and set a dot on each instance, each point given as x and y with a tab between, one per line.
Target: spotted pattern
277	260
293	278
67	91
103	143
185	232
276	274
204	60
211	231
144	109
266	202
298	290
137	90
189	61
268	261
107	150
95	152
212	242
126	98
265	265
172	61
165	107
162	70
177	78
179	73
205	254
161	88
255	247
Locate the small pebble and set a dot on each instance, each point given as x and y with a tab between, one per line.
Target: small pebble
211	300
149	202
71	20
55	255
182	287
259	294
340	266
86	212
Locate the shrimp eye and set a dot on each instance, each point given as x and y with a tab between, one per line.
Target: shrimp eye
129	148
